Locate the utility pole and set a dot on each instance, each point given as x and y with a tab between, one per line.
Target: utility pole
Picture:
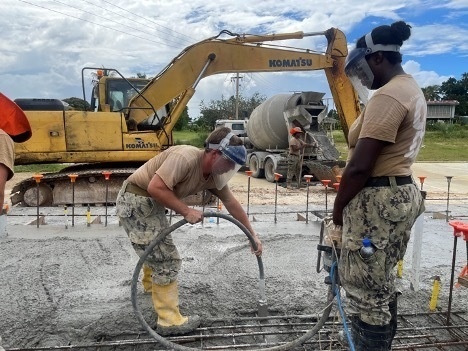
237	77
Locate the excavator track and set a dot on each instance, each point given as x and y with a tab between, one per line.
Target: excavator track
90	188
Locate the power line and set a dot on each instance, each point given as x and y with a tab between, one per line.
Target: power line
157	24
107	19
120	15
260	78
100	25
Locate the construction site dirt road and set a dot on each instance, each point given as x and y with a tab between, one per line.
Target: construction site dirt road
70	288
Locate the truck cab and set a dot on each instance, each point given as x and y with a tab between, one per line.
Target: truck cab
237	126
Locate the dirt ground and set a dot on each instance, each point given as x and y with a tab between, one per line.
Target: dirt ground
70	286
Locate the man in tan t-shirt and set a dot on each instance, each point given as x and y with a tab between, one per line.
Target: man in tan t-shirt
161	183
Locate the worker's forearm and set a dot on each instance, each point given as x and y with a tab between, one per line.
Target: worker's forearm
170	201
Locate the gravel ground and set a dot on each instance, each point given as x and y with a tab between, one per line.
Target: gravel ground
62	286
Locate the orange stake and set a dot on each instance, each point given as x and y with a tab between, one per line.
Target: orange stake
73	179
37	178
249	174
325	183
106	177
277	178
308	178
421	180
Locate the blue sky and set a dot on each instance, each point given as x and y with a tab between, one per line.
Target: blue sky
46	43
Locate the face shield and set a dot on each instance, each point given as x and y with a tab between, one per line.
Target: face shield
230	159
359	73
357	69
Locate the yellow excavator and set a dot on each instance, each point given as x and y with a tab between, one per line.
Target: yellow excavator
131	120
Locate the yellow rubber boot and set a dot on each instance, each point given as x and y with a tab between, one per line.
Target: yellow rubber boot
166	304
147	279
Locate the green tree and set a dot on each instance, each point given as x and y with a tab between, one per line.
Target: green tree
141	76
432	93
78	104
226	109
183	121
454	89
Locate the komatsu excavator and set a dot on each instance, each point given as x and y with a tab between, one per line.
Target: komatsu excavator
131	120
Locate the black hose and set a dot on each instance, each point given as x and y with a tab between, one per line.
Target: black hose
173	346
319	255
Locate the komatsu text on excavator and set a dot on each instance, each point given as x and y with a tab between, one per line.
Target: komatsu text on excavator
131	120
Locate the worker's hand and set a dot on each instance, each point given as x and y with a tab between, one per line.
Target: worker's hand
259	250
337	216
193	216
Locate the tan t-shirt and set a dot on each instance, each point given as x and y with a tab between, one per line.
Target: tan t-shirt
7	153
395	113
180	168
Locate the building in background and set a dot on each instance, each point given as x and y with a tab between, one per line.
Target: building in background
441	110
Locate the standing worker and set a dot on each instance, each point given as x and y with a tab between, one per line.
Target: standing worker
14	127
161	183
377	199
296	145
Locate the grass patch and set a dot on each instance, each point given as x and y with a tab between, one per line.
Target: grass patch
446	143
186	137
40	168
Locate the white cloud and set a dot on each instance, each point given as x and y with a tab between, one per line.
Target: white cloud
46	43
424	78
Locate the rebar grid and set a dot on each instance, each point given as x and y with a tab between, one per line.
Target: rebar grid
416	331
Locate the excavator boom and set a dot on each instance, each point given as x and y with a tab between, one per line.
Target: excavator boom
247	54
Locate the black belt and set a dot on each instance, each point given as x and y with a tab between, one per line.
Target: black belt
385	181
136	190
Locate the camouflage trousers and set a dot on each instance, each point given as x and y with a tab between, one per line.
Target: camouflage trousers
294	168
385	215
142	218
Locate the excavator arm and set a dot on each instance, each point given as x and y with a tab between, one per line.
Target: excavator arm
176	83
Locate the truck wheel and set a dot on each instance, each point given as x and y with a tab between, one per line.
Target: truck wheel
270	170
254	166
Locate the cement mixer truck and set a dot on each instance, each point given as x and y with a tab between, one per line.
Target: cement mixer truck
268	137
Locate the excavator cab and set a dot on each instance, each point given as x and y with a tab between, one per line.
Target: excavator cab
112	93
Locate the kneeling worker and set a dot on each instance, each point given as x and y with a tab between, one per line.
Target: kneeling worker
161	183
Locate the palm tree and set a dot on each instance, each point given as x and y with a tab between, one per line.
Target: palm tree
432	93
